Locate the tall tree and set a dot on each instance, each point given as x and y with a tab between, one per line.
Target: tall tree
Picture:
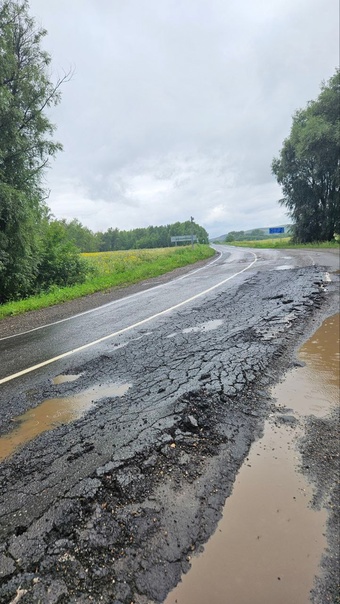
308	167
26	144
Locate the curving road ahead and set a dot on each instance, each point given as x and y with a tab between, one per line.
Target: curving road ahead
20	353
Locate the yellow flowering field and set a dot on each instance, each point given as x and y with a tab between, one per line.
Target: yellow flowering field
109	263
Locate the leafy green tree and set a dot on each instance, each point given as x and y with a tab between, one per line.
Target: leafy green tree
109	240
60	263
26	144
235	236
229	238
256	234
80	236
308	169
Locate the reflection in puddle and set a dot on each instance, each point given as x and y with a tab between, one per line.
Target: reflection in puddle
55	412
61	379
268	544
208	326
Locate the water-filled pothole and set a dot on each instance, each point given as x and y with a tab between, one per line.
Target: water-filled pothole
313	389
268	545
65	377
55	412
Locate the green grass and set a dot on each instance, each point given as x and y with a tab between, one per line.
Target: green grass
113	269
284	243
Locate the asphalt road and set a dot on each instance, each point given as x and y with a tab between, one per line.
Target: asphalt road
22	352
107	507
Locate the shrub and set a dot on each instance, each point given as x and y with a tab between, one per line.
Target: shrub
60	263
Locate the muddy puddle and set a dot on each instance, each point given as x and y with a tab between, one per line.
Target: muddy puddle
55	412
63	378
268	545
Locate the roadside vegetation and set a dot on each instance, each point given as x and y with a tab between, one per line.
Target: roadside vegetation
283	243
112	269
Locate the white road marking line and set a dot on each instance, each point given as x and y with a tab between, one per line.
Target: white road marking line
124	330
86	312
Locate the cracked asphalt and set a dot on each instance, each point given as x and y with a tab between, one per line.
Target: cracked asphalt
111	507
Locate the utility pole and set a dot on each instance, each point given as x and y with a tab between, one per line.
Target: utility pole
192	230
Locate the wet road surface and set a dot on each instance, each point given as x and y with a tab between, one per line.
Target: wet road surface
40	345
108	507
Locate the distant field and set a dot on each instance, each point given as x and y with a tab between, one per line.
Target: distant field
121	268
283	243
112	269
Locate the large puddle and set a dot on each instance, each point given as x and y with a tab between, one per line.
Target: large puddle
268	545
55	412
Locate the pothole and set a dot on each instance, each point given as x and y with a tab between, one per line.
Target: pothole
268	545
314	389
55	412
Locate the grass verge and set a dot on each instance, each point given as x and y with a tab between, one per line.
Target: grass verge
112	269
284	243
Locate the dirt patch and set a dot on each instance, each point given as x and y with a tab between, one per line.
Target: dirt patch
320	455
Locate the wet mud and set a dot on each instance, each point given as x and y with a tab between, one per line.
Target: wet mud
112	506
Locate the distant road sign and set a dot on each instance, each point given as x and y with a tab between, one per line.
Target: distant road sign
183	238
276	230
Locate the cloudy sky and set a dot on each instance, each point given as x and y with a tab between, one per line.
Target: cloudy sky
176	108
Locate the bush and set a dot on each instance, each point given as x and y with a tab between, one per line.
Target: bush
60	263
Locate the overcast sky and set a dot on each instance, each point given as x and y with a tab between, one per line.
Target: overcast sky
176	108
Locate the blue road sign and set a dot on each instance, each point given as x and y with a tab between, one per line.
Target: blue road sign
276	230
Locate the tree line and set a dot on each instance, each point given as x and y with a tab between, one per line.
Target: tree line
254	235
113	239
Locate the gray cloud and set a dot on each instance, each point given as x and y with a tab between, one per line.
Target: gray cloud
177	109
